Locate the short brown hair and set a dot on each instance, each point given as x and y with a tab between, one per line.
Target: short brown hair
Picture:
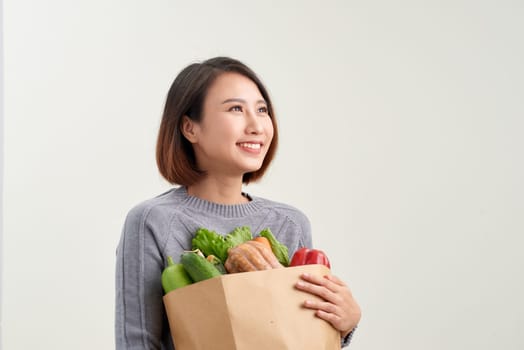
174	153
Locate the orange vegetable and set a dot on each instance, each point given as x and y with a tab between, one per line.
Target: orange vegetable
263	240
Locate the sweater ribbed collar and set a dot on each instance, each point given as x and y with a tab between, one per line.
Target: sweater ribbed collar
216	209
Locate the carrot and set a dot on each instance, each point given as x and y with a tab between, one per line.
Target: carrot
263	240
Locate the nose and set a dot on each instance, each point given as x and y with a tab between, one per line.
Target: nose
253	125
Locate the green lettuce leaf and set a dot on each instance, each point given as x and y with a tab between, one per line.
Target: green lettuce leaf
209	242
279	249
239	235
212	243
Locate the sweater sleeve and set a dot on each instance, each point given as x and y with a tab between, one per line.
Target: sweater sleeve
140	321
307	240
347	339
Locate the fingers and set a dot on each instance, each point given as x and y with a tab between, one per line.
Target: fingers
336	280
329	281
253	253
267	254
325	311
250	256
321	287
328	311
321	306
335	303
237	262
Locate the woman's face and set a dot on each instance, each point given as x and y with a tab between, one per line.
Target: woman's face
235	131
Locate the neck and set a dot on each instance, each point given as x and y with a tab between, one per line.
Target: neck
222	191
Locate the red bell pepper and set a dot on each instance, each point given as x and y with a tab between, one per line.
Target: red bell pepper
306	256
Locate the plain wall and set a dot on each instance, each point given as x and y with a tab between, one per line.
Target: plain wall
401	138
1	159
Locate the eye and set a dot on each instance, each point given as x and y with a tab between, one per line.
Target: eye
236	109
263	110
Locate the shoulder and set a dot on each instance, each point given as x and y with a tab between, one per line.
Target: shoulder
158	207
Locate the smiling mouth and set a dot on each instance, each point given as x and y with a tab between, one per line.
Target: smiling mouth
254	146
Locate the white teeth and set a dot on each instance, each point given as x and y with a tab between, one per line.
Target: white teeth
250	145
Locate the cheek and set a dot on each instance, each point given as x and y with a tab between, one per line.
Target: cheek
269	129
219	130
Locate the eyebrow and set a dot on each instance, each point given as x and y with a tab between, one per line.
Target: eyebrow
241	101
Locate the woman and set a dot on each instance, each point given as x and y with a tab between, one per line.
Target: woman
218	131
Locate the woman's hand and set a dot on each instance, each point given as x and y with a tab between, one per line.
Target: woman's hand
338	307
250	256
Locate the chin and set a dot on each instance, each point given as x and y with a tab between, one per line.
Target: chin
249	165
252	169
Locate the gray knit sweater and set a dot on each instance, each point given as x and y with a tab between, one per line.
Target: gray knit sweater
164	226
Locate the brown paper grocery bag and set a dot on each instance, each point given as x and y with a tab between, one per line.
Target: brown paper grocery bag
248	311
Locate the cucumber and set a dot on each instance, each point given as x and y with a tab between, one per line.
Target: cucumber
174	276
197	267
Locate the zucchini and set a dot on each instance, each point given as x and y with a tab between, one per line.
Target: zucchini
174	276
197	267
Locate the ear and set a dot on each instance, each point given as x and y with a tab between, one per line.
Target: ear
189	129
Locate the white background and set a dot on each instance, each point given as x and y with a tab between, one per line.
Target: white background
401	138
